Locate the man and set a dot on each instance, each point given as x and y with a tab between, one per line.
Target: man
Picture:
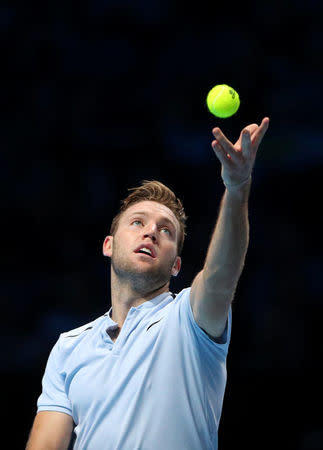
150	374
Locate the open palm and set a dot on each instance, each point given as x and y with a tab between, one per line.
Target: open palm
238	159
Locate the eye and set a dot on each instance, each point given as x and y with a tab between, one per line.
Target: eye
136	222
165	230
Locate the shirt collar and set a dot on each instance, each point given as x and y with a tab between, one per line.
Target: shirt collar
148	304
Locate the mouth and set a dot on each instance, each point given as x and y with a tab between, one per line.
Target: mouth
146	250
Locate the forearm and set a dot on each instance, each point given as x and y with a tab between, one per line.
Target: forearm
229	243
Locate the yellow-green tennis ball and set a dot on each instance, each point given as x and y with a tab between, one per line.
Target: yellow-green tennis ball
223	101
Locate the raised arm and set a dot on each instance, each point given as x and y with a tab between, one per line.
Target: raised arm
52	430
213	288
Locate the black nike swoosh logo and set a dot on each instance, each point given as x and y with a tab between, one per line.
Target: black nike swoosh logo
153	324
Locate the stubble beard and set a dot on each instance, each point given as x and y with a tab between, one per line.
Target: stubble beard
140	280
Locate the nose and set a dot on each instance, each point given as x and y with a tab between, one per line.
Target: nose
151	232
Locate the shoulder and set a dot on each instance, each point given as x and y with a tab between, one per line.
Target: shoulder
75	332
85	327
69	339
200	332
182	295
68	342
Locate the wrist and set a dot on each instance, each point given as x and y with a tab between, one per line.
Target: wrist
245	182
240	191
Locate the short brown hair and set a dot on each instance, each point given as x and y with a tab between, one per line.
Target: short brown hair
156	192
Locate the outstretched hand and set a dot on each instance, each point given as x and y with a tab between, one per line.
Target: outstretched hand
238	159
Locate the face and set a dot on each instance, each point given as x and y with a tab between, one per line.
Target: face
144	247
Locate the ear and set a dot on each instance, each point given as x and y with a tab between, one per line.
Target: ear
177	266
107	246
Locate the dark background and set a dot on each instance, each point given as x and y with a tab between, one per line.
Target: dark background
97	96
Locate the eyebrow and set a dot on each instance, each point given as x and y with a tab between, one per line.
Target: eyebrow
143	213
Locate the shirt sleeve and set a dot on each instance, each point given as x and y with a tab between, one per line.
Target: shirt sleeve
53	396
220	344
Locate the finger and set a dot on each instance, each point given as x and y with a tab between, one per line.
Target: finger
246	144
220	153
225	144
251	128
260	132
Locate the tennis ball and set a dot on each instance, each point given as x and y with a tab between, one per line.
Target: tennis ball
223	101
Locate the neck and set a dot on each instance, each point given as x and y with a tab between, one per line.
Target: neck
124	296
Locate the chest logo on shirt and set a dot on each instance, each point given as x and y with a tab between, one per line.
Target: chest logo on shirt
154	323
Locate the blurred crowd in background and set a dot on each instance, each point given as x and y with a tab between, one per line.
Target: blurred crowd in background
97	96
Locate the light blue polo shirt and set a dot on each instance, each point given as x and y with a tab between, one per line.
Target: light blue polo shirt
159	386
